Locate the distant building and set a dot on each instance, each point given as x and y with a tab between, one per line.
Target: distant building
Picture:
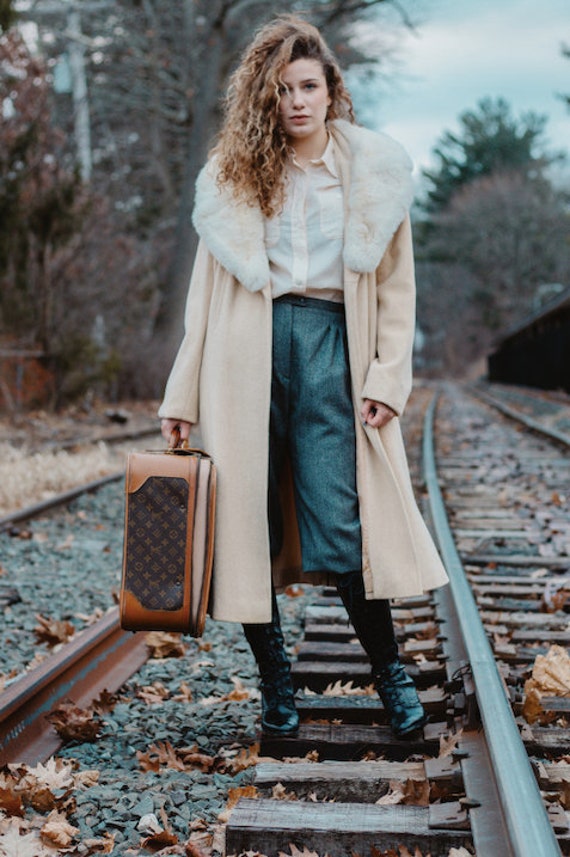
536	352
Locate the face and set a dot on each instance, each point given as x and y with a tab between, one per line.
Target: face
304	101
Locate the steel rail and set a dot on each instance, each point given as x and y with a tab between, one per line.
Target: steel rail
102	657
518	416
526	820
7	521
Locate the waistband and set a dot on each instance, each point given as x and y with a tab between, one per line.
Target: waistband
314	303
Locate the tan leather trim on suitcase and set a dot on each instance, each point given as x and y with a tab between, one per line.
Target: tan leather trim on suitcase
198	471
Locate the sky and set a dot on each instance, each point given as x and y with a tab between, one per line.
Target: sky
465	50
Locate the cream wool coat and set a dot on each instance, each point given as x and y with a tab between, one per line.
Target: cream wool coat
221	379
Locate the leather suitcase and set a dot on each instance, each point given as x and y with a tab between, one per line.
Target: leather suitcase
169	541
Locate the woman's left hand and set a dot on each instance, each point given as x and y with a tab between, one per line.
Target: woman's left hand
376	414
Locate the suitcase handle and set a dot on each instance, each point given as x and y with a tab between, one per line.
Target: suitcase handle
183	448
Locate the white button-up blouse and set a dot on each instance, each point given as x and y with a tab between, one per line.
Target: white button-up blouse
304	241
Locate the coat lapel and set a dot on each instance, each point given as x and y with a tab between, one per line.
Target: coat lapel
376	173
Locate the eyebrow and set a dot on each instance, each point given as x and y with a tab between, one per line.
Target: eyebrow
306	80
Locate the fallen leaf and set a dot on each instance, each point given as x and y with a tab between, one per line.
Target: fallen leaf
165	645
15	844
246	758
347	689
11	802
233	796
58	831
164	755
555	596
184	693
279	792
448	745
153	693
74	724
298	852
159	836
239	692
53	631
105	845
393	796
105	702
416	792
550	677
158	841
195	848
55	774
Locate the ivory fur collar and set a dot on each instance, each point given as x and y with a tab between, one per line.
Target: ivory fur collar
376	175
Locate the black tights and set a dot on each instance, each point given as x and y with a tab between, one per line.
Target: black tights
371	619
372	622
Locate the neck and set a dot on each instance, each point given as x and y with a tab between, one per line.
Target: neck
311	148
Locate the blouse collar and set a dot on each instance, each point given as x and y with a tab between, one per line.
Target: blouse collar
327	159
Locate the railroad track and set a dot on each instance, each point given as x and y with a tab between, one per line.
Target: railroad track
498	788
100	657
469	648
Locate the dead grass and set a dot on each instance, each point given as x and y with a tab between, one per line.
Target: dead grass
28	477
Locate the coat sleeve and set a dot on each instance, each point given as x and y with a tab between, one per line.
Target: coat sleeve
181	397
389	377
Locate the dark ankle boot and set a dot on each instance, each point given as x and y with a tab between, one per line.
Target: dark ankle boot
278	712
372	622
400	697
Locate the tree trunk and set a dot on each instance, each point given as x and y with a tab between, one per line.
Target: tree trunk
204	122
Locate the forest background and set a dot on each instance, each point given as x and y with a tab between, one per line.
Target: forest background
107	115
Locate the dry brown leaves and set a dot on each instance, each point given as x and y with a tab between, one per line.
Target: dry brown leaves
238	694
164	755
53	631
57	832
448	744
550	677
555	596
47	789
75	724
184	693
16	842
246	757
311	756
233	796
338	688
158	837
37	786
413	792
165	645
153	693
279	792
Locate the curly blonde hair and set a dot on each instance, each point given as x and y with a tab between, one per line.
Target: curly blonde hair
252	148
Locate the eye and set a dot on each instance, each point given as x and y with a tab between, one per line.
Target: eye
310	86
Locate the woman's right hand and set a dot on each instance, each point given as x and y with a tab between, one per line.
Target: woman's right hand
175	431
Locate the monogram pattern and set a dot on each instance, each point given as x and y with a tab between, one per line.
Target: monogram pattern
156	543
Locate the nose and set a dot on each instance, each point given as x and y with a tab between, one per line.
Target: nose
297	98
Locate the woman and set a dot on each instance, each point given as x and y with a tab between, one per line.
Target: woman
296	362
